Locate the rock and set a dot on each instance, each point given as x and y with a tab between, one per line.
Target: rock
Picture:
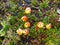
5	1
28	1
59	5
20	3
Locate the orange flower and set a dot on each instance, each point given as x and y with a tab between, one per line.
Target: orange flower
27	24
19	31
48	26
36	28
25	31
28	10
40	24
24	18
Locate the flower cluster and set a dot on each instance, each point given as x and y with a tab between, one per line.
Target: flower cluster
27	24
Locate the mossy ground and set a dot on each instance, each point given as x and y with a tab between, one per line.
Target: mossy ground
45	11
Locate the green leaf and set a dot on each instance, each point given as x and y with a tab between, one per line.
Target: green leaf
2	32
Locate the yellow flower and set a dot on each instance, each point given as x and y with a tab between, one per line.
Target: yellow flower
48	26
27	24
25	31
40	24
28	10
24	18
19	31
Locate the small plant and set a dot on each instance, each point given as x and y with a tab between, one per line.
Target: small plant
44	4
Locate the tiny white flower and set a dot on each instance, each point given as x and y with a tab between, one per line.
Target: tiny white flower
39	10
58	11
23	4
59	19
